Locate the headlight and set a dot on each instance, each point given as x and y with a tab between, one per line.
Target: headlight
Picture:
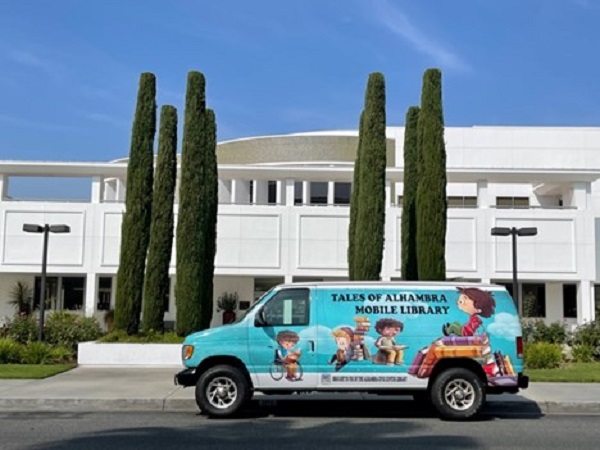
187	351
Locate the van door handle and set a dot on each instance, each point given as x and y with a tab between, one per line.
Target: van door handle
311	346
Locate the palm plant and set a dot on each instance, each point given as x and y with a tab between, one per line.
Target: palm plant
21	296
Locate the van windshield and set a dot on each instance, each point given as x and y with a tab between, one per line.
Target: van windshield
254	305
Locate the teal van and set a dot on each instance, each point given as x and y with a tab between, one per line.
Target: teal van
449	344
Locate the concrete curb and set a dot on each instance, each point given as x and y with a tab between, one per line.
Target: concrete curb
189	405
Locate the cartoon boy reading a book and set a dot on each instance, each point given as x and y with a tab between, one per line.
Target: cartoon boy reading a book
343	339
390	352
287	340
476	303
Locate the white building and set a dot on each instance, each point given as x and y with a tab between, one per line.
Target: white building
283	216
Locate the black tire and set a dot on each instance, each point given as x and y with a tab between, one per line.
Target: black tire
222	391
457	394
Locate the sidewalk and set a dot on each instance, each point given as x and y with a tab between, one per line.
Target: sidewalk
152	389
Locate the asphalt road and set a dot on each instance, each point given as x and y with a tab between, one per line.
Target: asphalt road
290	426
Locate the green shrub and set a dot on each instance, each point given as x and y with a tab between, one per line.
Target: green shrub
538	331
583	353
150	337
68	329
37	353
542	355
22	329
10	351
61	355
588	334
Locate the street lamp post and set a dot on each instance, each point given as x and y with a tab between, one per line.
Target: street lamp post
46	229
514	232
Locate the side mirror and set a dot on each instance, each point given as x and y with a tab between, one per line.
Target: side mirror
259	318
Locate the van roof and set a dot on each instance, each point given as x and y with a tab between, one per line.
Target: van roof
384	284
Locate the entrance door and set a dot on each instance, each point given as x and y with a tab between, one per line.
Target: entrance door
282	347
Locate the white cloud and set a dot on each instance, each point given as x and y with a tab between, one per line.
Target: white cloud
505	326
399	23
29	59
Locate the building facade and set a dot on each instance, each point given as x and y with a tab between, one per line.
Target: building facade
284	214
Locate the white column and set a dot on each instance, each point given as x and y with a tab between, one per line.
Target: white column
288	278
306	192
224	191
388	193
261	192
581	195
91	287
3	187
483	199
97	189
240	192
585	302
289	191
330	193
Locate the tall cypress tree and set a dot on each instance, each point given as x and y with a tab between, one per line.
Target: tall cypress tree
409	196
196	224
431	191
354	202
135	230
370	223
156	288
211	202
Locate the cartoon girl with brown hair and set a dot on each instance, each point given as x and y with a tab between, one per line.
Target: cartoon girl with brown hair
475	302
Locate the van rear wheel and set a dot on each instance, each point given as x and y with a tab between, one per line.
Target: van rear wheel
222	391
457	394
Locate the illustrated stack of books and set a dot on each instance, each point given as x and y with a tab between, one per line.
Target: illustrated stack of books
476	347
361	328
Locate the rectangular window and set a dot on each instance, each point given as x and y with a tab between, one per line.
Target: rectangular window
341	194
51	292
104	293
462	202
512	202
318	193
272	192
298	193
570	301
73	290
289	307
400	200
534	300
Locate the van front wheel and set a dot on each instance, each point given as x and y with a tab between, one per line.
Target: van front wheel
222	391
457	394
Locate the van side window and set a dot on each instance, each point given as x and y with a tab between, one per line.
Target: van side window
287	307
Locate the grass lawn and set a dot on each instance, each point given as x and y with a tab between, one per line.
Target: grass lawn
32	371
573	373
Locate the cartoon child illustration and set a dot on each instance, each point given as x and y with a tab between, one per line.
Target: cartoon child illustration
475	303
343	338
285	353
390	352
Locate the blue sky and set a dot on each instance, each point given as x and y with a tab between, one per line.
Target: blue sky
70	68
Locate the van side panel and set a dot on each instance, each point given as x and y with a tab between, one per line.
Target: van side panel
391	337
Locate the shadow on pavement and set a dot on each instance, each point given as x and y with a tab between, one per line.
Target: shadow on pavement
386	407
271	434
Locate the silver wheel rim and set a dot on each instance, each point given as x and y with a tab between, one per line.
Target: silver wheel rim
221	392
459	394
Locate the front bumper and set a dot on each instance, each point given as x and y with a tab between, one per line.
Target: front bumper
187	377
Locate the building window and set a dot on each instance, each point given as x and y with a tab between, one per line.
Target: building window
462	202
73	293
272	192
298	193
512	202
104	293
51	292
400	200
318	193
341	193
597	299
570	301
534	300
